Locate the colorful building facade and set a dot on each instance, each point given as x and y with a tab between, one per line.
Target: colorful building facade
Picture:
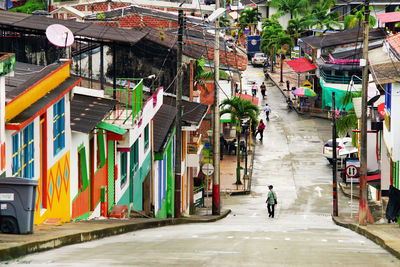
38	134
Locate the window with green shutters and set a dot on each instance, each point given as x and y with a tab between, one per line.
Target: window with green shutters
135	156
146	137
124	161
83	180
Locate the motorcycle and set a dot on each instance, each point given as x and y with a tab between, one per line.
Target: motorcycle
289	103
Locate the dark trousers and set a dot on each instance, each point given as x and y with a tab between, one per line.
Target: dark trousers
267	115
271	210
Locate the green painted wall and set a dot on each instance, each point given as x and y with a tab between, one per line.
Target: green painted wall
124	200
167	205
138	183
111	200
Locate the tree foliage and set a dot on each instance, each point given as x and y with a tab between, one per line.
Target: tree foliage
240	110
249	18
321	17
292	7
354	20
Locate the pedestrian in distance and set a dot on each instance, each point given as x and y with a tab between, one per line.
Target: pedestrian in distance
263	89
272	200
260	130
254	89
267	110
288	85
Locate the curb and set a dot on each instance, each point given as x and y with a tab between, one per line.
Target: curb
347	194
362	231
51	243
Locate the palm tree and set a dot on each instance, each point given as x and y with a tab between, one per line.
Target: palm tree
200	74
290	6
348	121
297	26
274	38
240	110
248	18
321	16
354	20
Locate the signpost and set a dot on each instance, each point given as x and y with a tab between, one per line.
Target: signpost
352	174
207	169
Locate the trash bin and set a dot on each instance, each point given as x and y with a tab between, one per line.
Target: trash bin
17	205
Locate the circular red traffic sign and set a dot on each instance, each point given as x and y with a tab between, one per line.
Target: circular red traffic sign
351	171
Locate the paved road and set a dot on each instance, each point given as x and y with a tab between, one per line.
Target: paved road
301	234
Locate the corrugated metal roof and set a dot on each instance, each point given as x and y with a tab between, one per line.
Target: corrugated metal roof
38	24
163	120
385	73
340	38
25	76
88	111
193	112
44	101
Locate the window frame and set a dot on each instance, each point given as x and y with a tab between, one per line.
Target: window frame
124	168
23	152
146	137
58	126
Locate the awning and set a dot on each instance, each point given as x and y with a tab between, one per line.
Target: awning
111	128
373	177
300	65
253	99
388	17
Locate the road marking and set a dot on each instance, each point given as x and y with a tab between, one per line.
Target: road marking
267	238
230	237
318	189
217	252
246	237
287	238
324	240
195	236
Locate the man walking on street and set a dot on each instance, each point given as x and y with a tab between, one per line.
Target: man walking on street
263	89
272	200
267	111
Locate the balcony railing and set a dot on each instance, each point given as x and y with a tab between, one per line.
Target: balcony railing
194	144
338	78
130	100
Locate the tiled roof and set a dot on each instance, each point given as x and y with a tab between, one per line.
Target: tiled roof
394	42
388	17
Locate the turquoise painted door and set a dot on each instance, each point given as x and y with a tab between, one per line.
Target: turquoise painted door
111	199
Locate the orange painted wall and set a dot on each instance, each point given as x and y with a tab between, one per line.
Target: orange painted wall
81	204
100	179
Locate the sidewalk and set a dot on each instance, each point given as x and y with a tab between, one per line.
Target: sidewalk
290	75
228	174
46	237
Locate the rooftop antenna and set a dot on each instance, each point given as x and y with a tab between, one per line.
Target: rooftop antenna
60	36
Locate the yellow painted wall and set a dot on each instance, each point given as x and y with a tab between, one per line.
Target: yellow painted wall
36	92
58	200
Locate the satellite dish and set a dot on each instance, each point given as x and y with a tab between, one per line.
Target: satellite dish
59	35
373	100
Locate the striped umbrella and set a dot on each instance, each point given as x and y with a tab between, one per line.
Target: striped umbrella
304	91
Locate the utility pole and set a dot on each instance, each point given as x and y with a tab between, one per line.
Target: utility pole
178	153
334	159
363	209
216	209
